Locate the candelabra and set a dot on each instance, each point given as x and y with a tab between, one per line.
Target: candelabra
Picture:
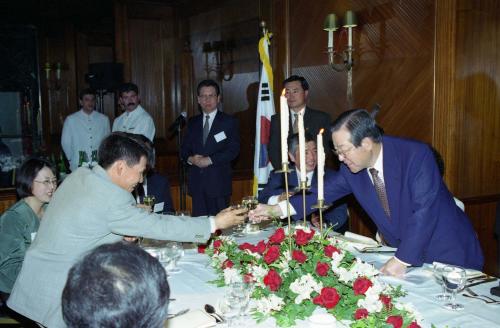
331	25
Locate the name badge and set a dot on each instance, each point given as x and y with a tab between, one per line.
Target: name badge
220	136
158	207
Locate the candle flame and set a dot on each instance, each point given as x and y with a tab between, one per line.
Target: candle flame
283	93
321	131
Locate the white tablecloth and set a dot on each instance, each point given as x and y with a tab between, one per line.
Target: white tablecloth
191	289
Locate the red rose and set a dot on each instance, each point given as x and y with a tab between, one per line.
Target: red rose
227	264
329	250
246	246
386	300
413	325
272	254
328	298
248	277
201	248
261	247
395	320
272	280
361	285
302	237
299	256
217	244
322	268
360	314
278	236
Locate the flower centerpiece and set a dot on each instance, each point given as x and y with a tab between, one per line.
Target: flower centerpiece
292	279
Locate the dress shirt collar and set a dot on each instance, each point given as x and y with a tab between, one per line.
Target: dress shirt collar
136	112
301	112
309	176
211	117
379	165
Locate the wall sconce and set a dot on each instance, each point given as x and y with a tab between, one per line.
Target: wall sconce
222	59
331	25
57	68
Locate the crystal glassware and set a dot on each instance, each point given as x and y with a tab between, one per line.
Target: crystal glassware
438	275
454	279
149	200
174	251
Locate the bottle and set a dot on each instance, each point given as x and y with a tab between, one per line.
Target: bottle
82	158
61	167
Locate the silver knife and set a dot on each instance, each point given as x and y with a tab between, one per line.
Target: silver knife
482	282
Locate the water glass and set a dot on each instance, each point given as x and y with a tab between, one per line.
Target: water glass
454	279
174	251
438	275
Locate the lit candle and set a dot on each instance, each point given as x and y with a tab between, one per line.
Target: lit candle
302	149
284	123
349	33
321	164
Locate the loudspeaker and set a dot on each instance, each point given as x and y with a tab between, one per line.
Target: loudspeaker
105	76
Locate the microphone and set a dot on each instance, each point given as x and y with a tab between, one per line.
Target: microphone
179	122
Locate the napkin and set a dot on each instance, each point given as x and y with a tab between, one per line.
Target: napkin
470	273
192	319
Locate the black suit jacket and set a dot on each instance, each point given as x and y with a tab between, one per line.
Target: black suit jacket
216	178
314	120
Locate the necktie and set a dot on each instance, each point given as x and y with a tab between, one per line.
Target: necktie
296	123
380	188
206	129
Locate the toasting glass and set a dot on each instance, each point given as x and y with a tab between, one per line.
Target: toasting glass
454	279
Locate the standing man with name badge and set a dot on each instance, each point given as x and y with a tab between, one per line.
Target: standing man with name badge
135	119
211	143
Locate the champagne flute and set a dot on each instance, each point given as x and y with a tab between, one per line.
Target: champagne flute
454	279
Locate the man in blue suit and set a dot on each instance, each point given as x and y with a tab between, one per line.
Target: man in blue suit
211	142
404	195
274	191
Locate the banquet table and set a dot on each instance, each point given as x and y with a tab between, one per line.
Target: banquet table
191	289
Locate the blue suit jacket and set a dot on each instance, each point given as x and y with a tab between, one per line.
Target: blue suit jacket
425	223
159	187
336	216
215	178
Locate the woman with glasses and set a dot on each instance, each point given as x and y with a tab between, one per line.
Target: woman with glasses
35	185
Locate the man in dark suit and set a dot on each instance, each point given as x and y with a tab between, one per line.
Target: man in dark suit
296	92
274	191
398	184
211	142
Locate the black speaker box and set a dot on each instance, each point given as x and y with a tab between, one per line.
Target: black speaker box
105	76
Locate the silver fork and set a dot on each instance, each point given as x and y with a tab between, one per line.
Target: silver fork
481	299
470	291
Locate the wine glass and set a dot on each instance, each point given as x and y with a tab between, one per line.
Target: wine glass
183	213
438	275
250	202
174	251
240	228
149	200
454	279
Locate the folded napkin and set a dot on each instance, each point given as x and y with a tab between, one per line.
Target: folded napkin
470	273
192	319
359	239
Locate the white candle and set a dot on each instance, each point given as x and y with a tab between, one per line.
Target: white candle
330	38
349	33
284	124
302	149
321	164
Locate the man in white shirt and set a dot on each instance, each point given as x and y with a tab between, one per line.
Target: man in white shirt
83	131
135	119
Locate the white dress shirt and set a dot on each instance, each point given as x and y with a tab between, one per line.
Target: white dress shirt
273	200
137	121
83	132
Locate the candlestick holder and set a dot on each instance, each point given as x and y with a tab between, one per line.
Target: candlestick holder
321	206
304	188
285	169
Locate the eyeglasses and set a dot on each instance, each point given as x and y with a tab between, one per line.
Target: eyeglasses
207	96
48	183
343	152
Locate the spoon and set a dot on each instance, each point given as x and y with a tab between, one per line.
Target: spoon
211	310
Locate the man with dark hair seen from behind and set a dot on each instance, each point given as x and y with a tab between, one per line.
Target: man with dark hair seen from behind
211	143
116	285
397	182
296	93
135	119
91	208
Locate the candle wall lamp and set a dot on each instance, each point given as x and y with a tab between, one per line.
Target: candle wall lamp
219	59
57	68
331	25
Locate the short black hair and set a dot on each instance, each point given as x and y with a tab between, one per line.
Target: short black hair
116	285
127	87
148	144
293	141
208	83
27	174
360	124
86	91
301	79
121	146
